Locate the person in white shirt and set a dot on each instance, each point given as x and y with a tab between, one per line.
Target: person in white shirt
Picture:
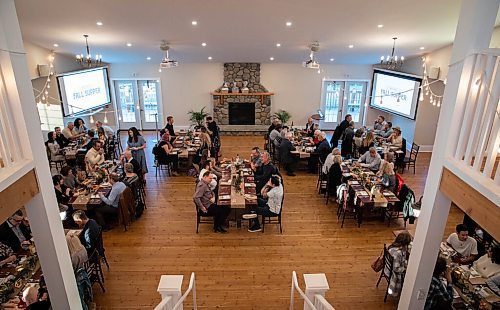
108	131
329	160
207	167
68	132
95	156
370	159
396	139
273	191
465	246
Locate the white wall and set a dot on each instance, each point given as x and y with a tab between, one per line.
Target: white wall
297	90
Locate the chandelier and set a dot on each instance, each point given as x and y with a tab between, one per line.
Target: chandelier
392	62
87	60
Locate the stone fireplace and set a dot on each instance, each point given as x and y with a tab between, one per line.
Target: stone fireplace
229	106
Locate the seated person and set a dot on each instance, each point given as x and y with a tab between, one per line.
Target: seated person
14	232
494	284
54	147
335	175
388	177
269	205
399	252
358	138
60	138
77	251
440	295
370	159
386	131
90	231
111	202
204	199
275	135
170	128
264	172
63	193
127	158
488	265
33	300
68	132
255	158
396	139
315	138
130	176
108	131
323	148
286	157
329	160
95	156
206	166
91	140
379	123
308	128
367	142
6	254
69	179
465	246
165	155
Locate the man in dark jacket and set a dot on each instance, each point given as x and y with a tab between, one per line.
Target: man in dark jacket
286	157
348	141
339	131
264	172
170	128
14	233
89	237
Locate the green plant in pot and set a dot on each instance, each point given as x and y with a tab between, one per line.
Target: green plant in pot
198	117
283	116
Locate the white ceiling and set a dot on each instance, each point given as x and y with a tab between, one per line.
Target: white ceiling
237	30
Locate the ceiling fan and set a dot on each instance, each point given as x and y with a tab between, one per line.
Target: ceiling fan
167	62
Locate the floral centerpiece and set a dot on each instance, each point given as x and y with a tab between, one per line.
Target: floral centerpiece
100	174
238	180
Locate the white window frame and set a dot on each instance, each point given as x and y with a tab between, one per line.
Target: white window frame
48	123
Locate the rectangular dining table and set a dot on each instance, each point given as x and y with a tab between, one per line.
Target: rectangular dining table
240	201
89	201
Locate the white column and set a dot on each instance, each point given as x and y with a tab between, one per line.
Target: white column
474	30
316	283
43	209
170	286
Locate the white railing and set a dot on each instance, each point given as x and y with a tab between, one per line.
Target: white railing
13	163
167	301
319	303
478	143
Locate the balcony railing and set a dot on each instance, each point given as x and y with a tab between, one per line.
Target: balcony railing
475	155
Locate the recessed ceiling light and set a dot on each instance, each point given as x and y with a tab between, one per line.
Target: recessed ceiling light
203	44
422	48
278	44
289	24
56	45
351	46
271	58
99	23
380	26
209	57
129	44
332	59
148	58
194	23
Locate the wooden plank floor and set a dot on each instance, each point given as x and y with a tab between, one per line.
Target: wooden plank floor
242	270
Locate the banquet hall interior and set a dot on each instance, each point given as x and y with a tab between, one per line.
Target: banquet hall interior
250	154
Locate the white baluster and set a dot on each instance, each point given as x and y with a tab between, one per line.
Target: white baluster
316	283
170	286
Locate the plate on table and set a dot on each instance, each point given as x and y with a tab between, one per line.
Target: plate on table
224	197
355	182
362	193
249	184
250	197
225	183
107	184
388	194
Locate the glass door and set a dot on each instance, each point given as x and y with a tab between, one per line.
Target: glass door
138	103
340	98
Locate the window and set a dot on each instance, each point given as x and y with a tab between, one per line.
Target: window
340	98
50	116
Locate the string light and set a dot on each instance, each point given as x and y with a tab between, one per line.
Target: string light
91	119
43	94
105	120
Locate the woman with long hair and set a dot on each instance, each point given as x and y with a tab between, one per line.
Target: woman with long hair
165	155
54	147
367	142
387	174
399	252
79	126
77	251
136	144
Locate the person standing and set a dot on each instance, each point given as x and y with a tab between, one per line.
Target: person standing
348	141
286	157
213	131
170	128
136	144
339	131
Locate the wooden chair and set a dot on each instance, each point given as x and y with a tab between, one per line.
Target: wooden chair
386	272
101	251
322	178
412	159
202	218
274	219
346	207
126	208
94	270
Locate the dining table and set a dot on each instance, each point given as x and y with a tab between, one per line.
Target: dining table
237	189
363	198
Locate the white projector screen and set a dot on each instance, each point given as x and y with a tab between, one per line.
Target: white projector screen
395	93
82	91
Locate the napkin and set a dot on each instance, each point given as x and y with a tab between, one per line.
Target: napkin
363	193
94	196
224	197
249	184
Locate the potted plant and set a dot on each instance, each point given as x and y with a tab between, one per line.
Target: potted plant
283	116
197	117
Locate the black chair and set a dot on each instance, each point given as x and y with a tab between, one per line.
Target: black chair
412	159
162	163
101	251
94	269
395	210
321	185
347	207
274	219
202	218
386	272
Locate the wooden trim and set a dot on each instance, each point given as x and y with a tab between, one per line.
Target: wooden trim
241	94
479	208
18	194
